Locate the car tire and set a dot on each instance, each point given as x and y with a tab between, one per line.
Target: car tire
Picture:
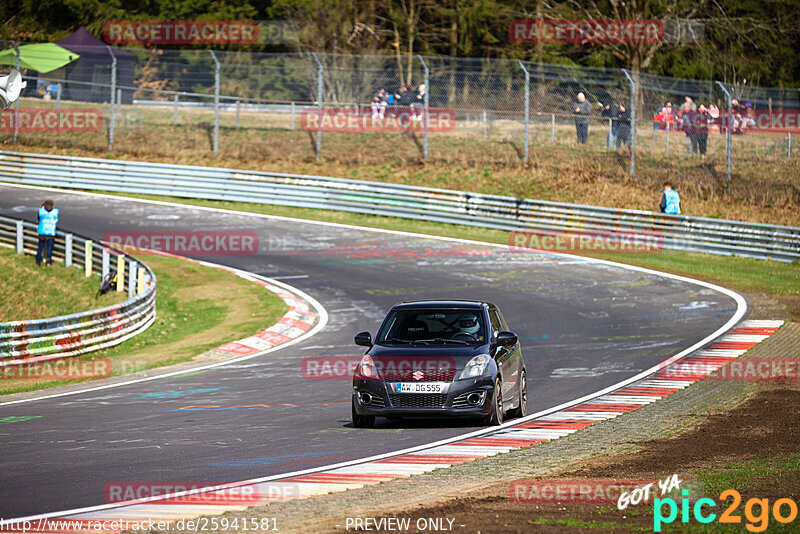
522	409
361	421
495	417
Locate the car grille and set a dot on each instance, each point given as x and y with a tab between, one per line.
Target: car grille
432	375
413	400
377	402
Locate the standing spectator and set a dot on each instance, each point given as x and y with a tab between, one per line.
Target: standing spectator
688	100
48	220
610	111
666	117
582	111
689	127
670	200
702	130
623	126
713	113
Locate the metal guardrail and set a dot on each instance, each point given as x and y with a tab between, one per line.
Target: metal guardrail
512	214
78	333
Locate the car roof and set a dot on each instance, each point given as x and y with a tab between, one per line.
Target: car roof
458	304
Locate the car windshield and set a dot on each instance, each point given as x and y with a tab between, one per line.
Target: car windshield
433	326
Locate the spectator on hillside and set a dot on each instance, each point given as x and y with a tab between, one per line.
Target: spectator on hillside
702	119
379	104
689	127
666	117
688	100
670	200
48	221
623	126
582	112
418	105
610	112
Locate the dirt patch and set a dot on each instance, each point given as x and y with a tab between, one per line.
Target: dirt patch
764	425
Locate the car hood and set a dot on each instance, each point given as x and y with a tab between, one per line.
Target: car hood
460	353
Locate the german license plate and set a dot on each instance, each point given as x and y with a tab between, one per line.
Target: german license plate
421	387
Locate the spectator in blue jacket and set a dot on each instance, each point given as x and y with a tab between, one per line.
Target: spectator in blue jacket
670	200
48	221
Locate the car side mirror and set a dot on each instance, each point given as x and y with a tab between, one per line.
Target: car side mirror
364	339
506	339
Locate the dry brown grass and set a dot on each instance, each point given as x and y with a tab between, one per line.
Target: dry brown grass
765	184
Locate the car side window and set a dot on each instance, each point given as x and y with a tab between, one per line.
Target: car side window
497	325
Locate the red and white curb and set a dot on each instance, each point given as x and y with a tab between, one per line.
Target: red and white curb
554	425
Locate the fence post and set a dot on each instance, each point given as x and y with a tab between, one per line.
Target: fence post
292	116
120	273
112	96
633	121
552	127
484	124
58	97
132	267
527	110
20	237
106	262
87	260
216	102
237	113
728	140
609	141
425	104
119	101
175	111
789	154
68	250
319	104
16	104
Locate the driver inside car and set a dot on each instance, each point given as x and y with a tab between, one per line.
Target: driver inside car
468	326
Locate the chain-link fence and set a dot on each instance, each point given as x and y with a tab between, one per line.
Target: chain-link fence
463	111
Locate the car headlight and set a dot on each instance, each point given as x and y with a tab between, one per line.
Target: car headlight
366	368
475	367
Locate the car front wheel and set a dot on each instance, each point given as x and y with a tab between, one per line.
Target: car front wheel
495	417
522	409
361	421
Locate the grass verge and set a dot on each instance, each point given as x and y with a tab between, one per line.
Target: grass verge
198	308
30	292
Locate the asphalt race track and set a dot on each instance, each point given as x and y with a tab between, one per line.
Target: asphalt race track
583	325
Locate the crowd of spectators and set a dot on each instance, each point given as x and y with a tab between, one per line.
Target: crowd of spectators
384	102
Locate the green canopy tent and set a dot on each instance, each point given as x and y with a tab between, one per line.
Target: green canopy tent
42	57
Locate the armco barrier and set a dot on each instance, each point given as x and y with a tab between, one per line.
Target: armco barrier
676	232
78	333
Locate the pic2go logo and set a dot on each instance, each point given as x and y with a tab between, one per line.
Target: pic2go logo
758	521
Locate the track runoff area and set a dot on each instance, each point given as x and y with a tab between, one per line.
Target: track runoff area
587	328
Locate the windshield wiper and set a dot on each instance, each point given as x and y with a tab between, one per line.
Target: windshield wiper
443	340
403	341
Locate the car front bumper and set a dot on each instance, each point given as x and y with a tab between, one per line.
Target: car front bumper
455	402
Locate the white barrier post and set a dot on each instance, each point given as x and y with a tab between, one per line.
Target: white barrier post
132	280
88	258
175	111
106	261
20	230
120	273
140	282
68	250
